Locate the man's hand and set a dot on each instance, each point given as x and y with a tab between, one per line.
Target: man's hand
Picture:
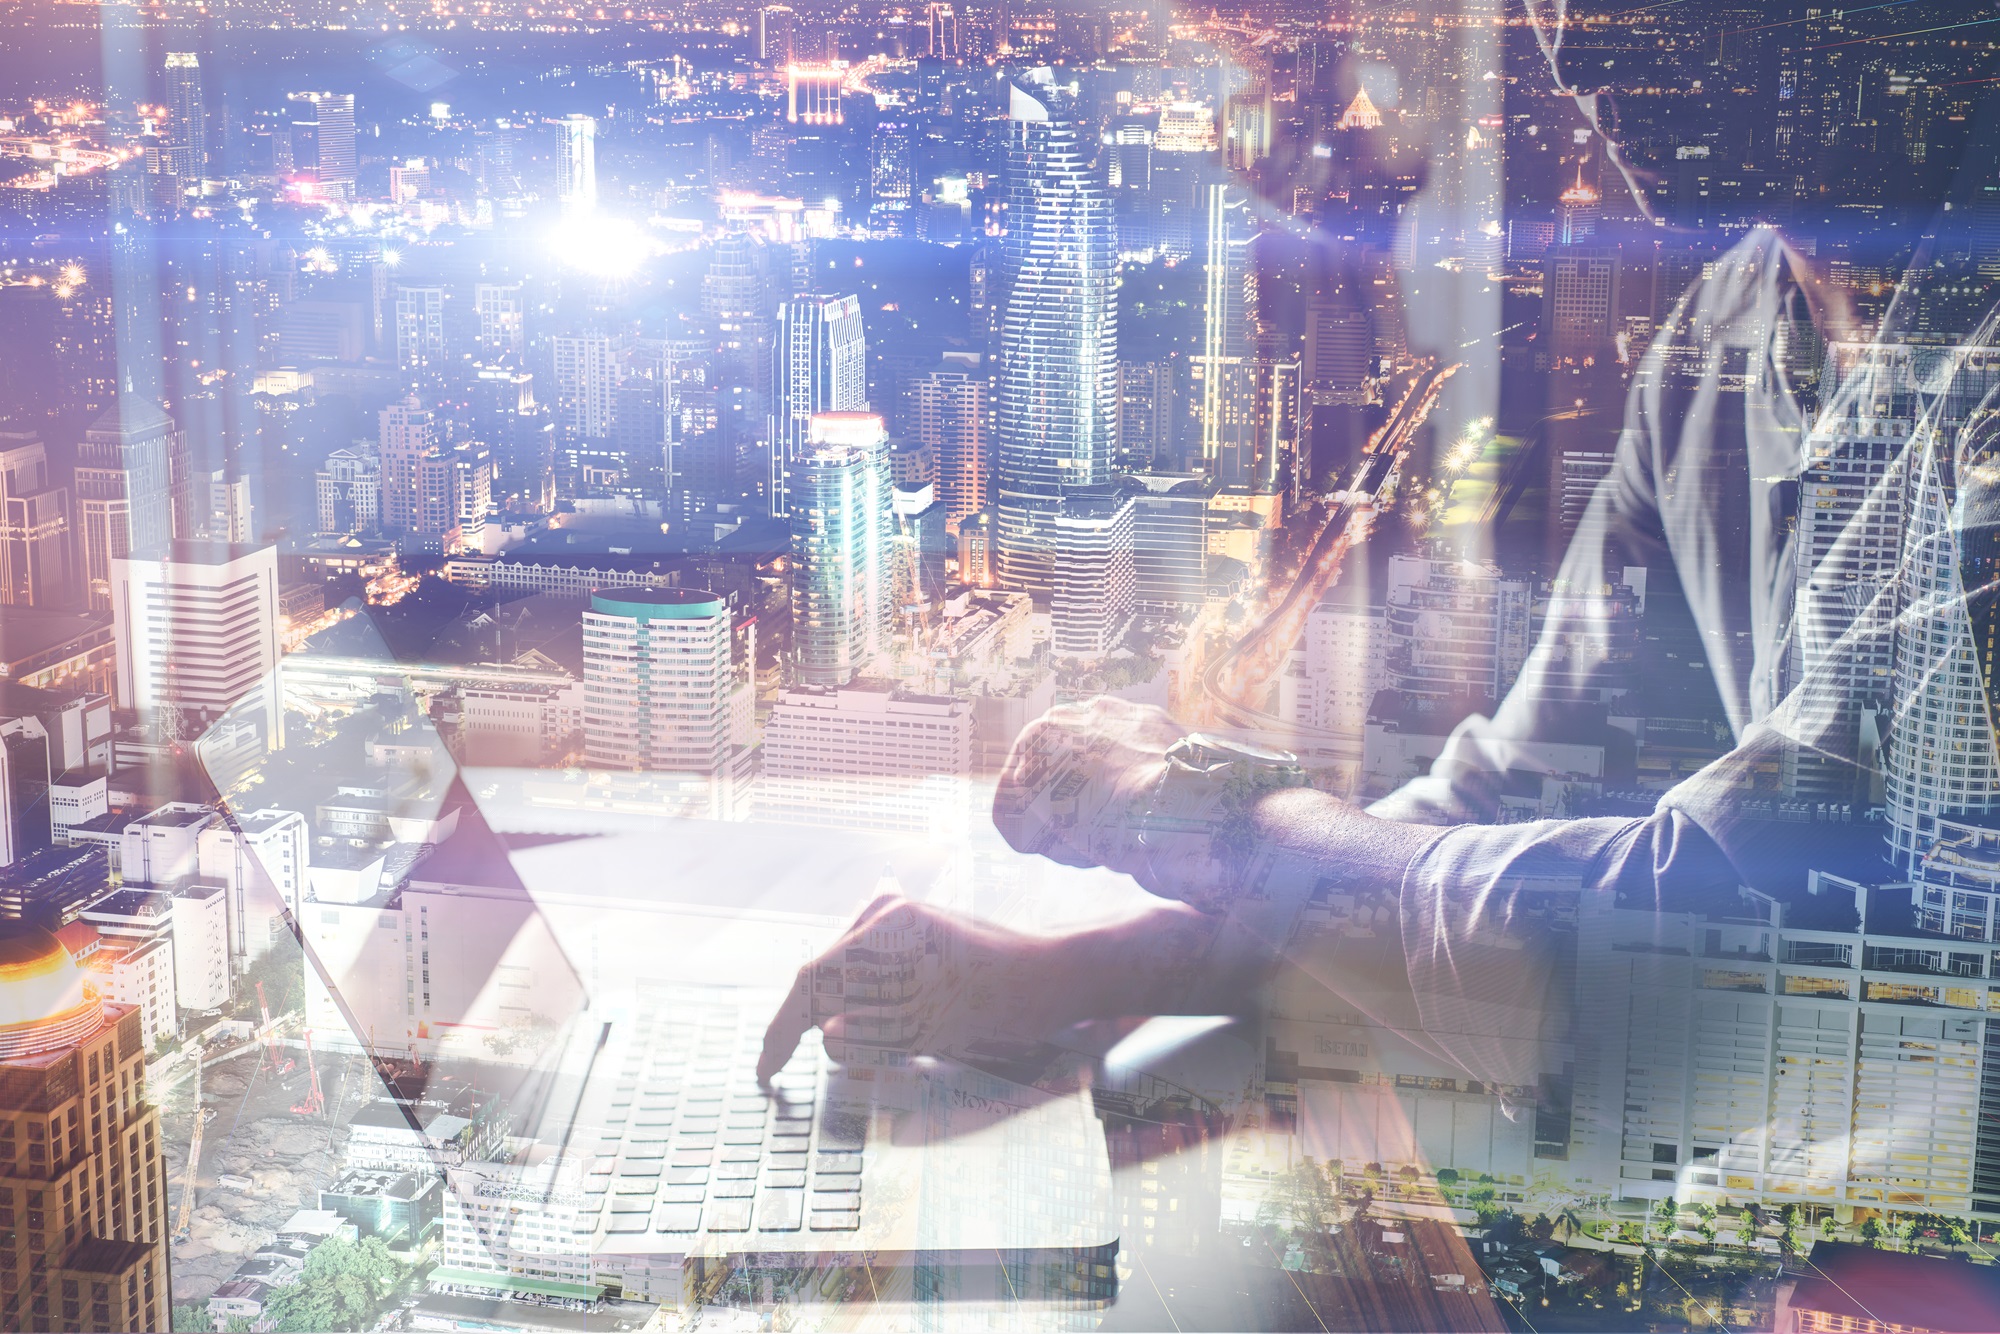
1078	783
924	982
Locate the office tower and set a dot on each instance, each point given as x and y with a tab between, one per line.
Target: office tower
1580	305
225	509
943	31
420	327
1093	599
1344	648
34	525
332	128
659	694
890	167
978	559
578	187
1145	414
348	492
1852	505
1942	759
1183	164
951	412
819	364
1170	541
867	759
776	35
1247	125
1577	211
841	530
502	312
586	367
921	545
80	1151
1058	357
1457	629
188	109
454	495
408	431
1224	377
196	633
24	789
124	480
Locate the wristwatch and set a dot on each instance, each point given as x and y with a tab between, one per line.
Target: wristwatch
1185	818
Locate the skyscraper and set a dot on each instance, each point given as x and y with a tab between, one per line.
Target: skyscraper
952	415
841	533
819	364
578	189
502	315
79	1148
777	28
124	481
408	430
659	693
419	326
34	525
1095	587
1058	353
586	385
189	111
196	634
333	132
1224	377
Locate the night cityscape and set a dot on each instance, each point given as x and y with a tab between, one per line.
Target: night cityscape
999	665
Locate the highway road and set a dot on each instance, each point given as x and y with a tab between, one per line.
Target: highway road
1255	658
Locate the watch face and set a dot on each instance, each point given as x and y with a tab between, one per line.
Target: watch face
1210	750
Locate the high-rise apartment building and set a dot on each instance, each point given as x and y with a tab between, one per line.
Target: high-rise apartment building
660	694
819	364
841	548
1457	629
578	188
349	493
502	312
420	326
777	28
1224	380
82	1167
34	525
951	411
187	107
586	368
408	433
124	489
1058	342
1095	585
1170	540
197	637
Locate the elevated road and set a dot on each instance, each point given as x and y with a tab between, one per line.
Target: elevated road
1259	654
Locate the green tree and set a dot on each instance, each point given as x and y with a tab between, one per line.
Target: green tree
1302	1205
1872	1231
192	1318
1569	1222
341	1287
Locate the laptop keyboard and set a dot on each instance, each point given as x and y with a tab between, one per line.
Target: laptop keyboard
689	1142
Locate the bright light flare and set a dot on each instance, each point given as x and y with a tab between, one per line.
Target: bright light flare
604	246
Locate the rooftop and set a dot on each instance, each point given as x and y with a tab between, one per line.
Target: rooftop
1894	1288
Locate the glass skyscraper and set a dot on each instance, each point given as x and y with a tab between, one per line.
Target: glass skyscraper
841	548
1058	340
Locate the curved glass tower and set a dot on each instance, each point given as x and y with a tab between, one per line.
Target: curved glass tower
1058	339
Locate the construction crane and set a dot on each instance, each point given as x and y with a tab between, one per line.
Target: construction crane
202	1116
315	1101
273	1054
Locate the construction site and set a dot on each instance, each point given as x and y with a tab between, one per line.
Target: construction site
264	1121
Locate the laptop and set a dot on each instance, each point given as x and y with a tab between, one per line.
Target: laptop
657	951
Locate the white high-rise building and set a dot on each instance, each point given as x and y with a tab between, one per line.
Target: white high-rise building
953	406
586	384
1095	583
660	694
819	364
333	133
259	859
124	489
841	548
408	431
1457	629
1342	667
502	312
578	190
867	759
196	635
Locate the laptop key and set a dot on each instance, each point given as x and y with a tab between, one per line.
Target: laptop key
781	1210
733	1190
683	1194
835	1222
835	1201
843	1164
784	1178
677	1218
836	1184
729	1216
